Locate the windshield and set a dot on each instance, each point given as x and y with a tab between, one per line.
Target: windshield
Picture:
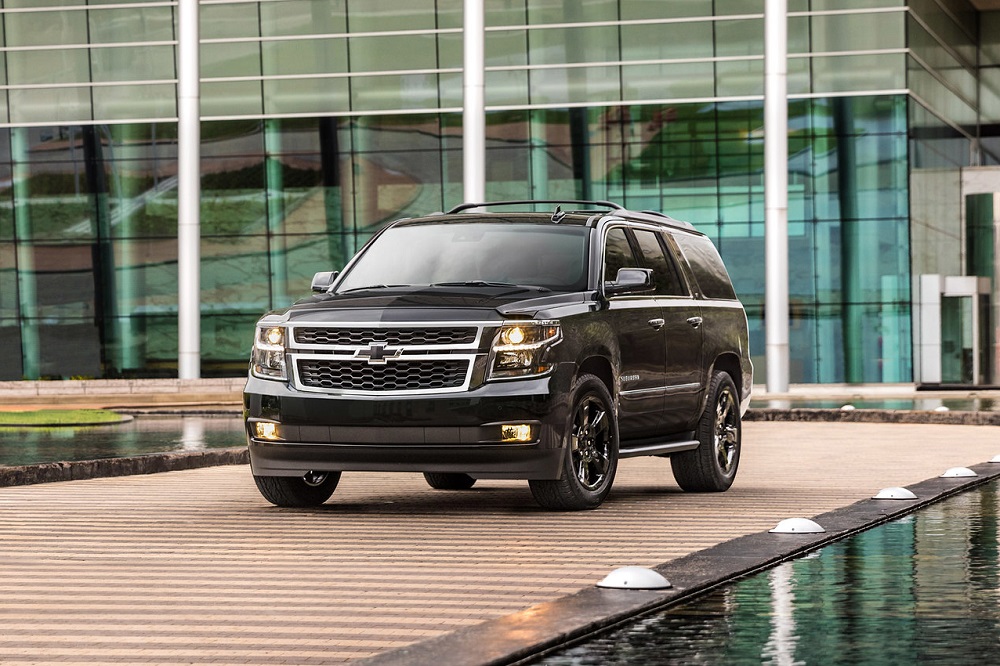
549	256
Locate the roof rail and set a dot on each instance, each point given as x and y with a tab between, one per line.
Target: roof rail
467	206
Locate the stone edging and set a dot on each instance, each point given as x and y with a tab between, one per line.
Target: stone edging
153	463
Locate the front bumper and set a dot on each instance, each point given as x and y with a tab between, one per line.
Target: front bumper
426	433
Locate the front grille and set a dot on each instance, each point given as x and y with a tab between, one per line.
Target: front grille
349	375
393	337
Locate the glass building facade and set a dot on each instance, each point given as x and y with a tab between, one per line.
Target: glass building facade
322	120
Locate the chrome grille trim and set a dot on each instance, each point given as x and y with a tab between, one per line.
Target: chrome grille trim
424	373
351	336
385	358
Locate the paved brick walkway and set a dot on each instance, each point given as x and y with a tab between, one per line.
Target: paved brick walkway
194	567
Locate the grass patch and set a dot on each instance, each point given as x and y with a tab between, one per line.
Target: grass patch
59	417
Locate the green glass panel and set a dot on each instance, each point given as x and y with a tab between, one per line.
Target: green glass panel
503	48
498	12
744	37
228	21
954	24
577	85
303	17
230	59
231	275
383	15
34	4
742	77
327	95
313	56
56	66
230	98
10	368
450	87
223	343
232	197
450	13
857	32
134	101
572	12
989	95
506	88
657	9
678	81
858	73
45	28
395	53
134	24
384	93
666	41
554	46
142	63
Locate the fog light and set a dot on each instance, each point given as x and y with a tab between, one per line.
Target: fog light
515	433
267	430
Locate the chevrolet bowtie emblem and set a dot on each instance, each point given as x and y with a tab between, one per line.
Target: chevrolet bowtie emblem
377	354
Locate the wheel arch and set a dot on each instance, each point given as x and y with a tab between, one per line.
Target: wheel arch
600	367
730	364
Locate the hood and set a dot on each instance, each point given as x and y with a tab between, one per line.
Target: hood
425	303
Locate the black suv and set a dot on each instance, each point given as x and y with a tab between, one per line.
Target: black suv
488	345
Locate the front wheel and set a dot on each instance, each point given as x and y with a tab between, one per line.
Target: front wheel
591	456
712	466
298	491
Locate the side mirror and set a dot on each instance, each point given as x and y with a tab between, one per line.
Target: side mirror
630	280
322	280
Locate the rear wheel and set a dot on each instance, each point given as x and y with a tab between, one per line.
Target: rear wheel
298	491
712	466
591	459
449	480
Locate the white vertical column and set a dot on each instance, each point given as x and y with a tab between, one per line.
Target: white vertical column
188	193
776	193
474	103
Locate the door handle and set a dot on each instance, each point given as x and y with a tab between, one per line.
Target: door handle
695	321
657	323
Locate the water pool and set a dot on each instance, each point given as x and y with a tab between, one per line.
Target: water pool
921	589
144	435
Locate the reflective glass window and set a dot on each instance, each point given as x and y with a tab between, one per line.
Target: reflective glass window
617	254
303	17
313	56
666	280
382	15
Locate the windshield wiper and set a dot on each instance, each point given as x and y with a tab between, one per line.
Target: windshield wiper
372	286
486	283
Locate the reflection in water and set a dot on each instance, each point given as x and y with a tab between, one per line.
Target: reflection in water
918	590
146	434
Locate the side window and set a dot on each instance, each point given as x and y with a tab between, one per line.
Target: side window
707	266
665	278
617	254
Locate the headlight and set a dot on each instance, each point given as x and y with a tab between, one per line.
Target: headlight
268	356
520	349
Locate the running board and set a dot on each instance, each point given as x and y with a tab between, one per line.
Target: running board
663	448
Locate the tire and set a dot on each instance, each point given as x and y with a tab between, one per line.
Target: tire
298	491
591	456
449	480
711	468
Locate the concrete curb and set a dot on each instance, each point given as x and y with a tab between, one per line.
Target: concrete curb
873	416
523	637
154	463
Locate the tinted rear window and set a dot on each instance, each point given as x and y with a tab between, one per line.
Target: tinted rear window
707	266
